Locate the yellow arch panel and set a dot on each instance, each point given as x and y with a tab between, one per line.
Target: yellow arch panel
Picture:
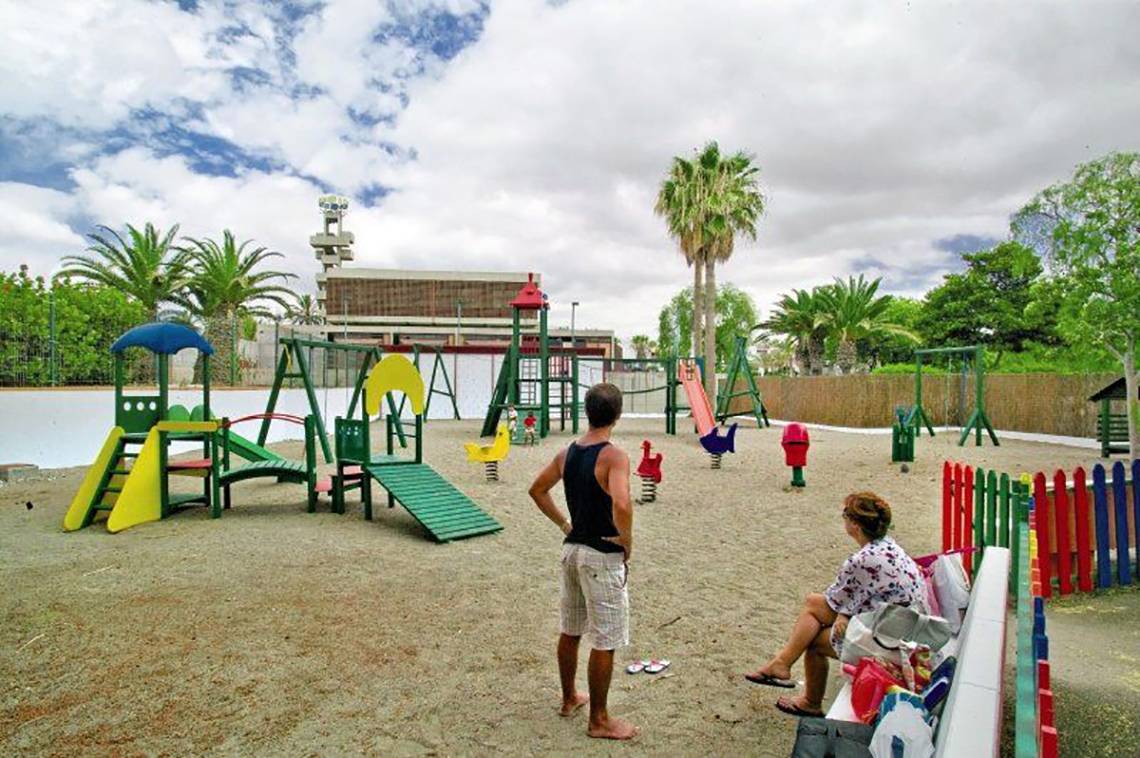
141	498
496	451
397	373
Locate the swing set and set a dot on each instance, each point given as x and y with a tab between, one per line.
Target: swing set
296	361
970	357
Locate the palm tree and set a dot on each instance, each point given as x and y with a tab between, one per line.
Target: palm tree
225	286
800	316
148	267
306	310
642	345
706	202
854	313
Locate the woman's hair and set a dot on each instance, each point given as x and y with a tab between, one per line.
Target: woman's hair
870	512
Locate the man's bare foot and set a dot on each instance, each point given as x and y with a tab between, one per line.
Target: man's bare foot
613	729
773	668
571	706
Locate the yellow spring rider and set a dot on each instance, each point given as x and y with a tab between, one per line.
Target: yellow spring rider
490	455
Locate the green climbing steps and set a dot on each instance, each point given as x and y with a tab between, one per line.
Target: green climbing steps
445	512
104	480
740	369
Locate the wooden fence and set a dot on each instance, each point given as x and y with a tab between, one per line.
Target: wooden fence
1044	403
1035	730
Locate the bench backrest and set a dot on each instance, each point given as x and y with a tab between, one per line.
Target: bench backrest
971	718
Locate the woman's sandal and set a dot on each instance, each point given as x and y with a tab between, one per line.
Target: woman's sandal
656	667
770	681
787	706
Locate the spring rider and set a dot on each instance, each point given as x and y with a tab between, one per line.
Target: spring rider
795	443
650	472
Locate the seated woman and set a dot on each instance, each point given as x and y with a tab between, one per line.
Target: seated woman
879	572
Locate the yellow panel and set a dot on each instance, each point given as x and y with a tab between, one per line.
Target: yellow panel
77	511
141	498
187	426
496	451
396	373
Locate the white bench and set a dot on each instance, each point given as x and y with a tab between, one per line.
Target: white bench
971	719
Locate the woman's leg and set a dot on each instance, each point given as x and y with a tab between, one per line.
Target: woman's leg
815	671
815	617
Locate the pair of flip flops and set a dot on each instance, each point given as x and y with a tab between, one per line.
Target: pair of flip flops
648	666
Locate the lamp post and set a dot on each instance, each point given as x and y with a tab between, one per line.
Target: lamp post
573	311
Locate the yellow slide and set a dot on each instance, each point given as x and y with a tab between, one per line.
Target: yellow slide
496	451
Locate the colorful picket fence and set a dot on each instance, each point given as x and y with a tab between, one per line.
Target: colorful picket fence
1035	733
982	508
1088	527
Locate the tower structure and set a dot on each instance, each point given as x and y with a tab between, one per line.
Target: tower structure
333	246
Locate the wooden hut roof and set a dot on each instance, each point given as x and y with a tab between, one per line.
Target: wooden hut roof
1114	391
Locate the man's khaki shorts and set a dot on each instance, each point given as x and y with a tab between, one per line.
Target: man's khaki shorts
595	599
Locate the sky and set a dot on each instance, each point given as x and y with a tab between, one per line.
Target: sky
525	135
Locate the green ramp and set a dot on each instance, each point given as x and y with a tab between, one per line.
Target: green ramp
249	450
445	512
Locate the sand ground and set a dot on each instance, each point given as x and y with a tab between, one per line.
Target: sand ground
276	631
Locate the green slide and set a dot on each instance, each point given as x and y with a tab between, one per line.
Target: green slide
443	510
249	450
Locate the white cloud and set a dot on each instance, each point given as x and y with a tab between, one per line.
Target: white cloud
880	129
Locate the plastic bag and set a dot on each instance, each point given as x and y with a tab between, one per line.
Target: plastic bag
952	588
881	633
903	733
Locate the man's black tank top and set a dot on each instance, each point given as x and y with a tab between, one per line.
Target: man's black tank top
591	509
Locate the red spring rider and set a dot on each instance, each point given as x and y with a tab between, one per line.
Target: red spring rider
650	472
795	443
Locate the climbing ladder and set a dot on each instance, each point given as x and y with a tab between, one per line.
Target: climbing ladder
445	512
112	480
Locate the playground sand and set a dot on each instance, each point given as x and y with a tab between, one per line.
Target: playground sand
275	631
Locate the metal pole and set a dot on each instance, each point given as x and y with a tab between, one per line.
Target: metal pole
455	355
53	377
573	312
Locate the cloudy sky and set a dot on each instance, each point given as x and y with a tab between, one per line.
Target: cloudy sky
528	135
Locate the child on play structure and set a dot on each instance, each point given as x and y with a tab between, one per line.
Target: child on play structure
528	427
512	420
879	572
595	557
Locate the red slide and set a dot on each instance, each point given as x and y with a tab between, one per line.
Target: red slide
698	400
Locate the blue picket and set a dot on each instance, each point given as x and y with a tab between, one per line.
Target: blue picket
1100	519
1136	508
1120	506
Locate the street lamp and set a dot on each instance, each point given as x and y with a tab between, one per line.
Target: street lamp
573	311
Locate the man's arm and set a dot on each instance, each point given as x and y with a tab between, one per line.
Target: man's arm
550	475
617	485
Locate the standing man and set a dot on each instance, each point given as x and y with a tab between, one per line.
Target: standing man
595	557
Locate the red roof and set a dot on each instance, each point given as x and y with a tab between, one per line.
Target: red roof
530	297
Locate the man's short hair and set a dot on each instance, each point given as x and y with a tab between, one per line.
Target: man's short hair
603	405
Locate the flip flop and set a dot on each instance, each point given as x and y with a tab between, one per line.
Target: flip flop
770	681
786	706
637	667
656	667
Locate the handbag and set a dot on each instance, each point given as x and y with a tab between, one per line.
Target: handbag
881	633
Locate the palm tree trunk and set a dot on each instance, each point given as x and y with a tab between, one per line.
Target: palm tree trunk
710	332
846	355
219	333
698	310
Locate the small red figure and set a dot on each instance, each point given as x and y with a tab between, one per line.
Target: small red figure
650	466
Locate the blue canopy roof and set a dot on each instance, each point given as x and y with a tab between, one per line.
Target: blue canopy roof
162	338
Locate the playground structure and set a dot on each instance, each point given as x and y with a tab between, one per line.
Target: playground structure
298	472
441	509
295	364
902	438
490	455
971	355
739	368
1112	423
129	478
713	443
649	471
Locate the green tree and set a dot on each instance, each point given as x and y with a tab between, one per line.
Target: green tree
801	318
707	202
1089	231
885	347
735	314
227	285
855	312
643	346
147	266
986	304
305	310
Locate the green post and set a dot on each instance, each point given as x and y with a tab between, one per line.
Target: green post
205	387
513	359
574	390
163	381
798	476
53	372
118	386
322	435
979	515
1105	428
544	376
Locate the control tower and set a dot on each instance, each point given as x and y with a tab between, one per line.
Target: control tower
331	247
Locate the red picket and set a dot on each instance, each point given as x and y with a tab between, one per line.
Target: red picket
956	508
1048	747
1044	554
1064	533
967	516
946	485
1084	548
